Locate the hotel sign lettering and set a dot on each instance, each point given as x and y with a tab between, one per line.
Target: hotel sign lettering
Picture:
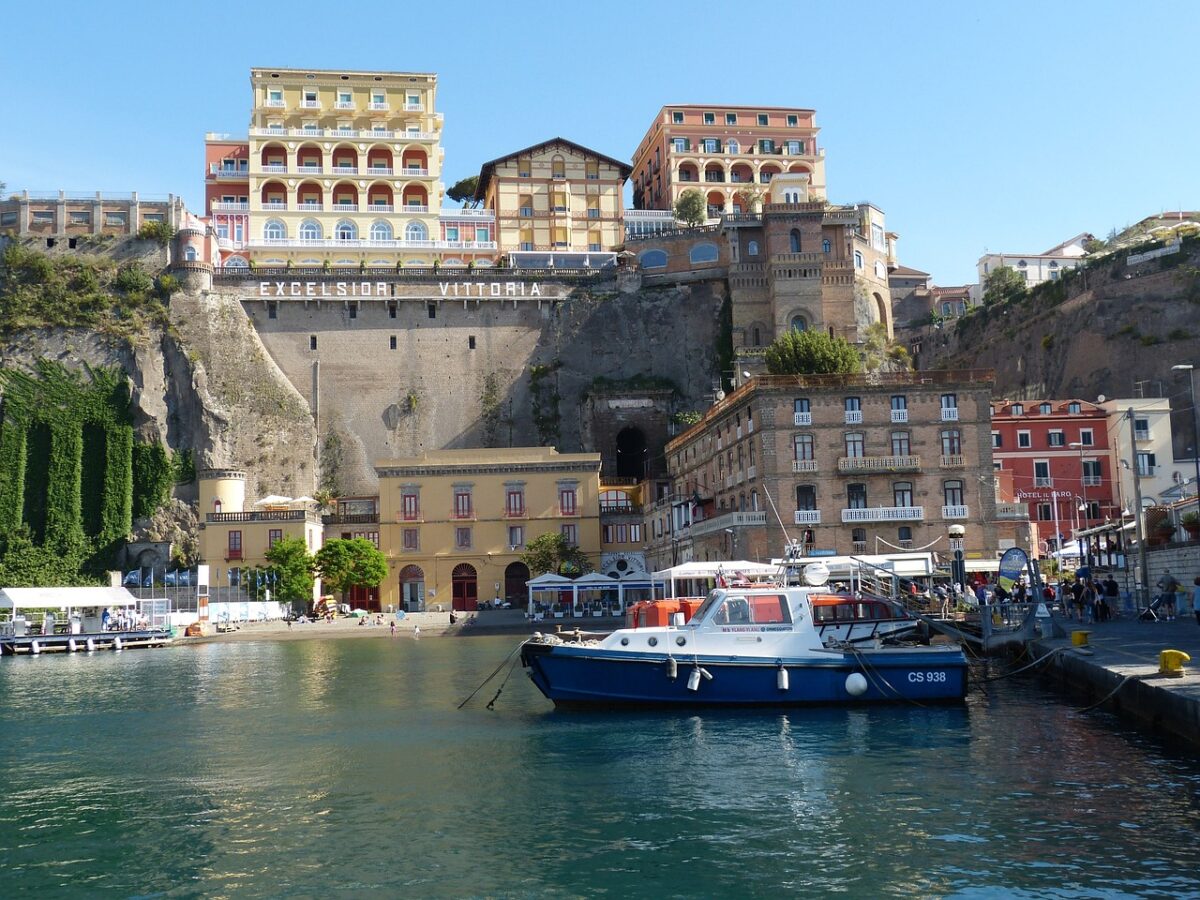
459	289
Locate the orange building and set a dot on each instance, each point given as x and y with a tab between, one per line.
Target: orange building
226	195
715	149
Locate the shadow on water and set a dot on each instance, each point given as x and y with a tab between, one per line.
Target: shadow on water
283	768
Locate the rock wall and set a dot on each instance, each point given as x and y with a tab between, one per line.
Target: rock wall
429	389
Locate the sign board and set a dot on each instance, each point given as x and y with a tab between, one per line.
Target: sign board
322	289
822	553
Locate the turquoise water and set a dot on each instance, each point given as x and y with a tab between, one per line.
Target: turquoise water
306	767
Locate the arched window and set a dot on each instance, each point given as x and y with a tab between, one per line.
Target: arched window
190	254
345	230
236	262
653	259
703	253
826	246
733	146
310	230
794	238
416	231
752	248
757	337
274	230
799	323
381	230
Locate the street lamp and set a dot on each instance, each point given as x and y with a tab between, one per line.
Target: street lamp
1087	555
732	543
1191	370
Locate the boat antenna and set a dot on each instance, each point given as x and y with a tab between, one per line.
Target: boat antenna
791	549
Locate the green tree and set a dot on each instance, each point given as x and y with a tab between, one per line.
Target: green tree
691	208
551	552
811	353
1003	285
343	564
464	191
294	566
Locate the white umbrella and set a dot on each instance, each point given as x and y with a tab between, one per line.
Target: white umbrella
272	500
304	499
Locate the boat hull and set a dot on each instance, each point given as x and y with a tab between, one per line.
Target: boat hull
573	675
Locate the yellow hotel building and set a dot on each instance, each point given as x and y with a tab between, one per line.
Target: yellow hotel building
345	168
454	523
555	198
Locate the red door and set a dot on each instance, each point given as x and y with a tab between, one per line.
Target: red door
465	589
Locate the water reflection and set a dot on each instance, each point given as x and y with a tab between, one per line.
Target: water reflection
284	768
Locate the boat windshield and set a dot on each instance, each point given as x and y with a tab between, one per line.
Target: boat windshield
706	607
750	609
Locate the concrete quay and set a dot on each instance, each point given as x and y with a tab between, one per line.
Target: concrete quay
1124	662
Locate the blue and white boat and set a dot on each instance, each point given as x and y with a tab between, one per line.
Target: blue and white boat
747	645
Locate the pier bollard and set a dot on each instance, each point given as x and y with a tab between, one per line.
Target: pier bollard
117	645
91	645
1080	638
71	645
1170	663
35	648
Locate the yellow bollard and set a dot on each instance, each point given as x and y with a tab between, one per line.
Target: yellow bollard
1079	638
1170	663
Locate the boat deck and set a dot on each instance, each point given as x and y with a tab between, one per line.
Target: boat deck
34	644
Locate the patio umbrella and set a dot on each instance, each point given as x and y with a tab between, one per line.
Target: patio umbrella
272	500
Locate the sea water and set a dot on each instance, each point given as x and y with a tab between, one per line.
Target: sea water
310	767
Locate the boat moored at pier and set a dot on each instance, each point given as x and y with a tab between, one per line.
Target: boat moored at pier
756	644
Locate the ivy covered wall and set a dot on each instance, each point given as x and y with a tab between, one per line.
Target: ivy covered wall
68	465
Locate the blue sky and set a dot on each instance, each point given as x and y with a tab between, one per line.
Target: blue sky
1005	127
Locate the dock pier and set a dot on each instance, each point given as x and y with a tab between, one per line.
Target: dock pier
36	644
1118	668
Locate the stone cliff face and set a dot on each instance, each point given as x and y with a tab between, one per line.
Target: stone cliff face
1109	332
389	379
203	382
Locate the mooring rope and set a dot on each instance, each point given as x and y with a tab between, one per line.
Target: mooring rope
492	703
495	672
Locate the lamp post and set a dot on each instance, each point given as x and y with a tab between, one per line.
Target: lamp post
1191	370
1087	555
732	543
958	568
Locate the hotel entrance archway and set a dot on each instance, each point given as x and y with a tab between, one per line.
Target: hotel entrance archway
412	589
465	588
515	591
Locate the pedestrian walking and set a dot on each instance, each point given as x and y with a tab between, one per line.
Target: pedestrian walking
1167	584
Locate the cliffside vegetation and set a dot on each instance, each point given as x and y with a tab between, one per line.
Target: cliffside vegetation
41	291
68	466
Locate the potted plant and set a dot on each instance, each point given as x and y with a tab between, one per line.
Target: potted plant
1191	522
1163	532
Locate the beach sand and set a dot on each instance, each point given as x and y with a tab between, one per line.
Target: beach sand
431	624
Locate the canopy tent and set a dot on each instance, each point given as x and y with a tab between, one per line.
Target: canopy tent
15	599
710	569
1070	549
560	589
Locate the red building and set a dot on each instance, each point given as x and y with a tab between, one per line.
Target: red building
226	195
1059	457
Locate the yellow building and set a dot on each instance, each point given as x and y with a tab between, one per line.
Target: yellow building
344	167
233	538
454	523
558	198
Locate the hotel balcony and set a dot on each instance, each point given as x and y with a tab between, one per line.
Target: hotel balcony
264	515
1042	481
274	168
230	207
884	514
230	244
1017	512
274	104
899	416
333	244
868	464
222	174
728	520
854	417
364	134
381	171
414	107
310	170
804	465
1141	434
802	418
950	415
1093	480
808	517
379	208
468	214
344	104
377	106
953	461
954	512
310	104
344	170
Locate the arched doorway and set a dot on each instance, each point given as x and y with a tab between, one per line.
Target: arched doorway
881	308
465	588
631	453
515	591
412	589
